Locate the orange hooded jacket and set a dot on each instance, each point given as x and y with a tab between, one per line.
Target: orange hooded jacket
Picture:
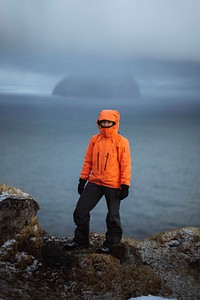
107	160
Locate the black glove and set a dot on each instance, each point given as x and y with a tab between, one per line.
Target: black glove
124	191
81	185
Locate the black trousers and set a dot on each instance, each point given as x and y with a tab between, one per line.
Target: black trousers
89	198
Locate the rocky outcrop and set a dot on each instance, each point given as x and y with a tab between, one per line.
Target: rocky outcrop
34	265
18	210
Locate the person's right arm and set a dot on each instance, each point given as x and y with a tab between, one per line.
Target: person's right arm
87	164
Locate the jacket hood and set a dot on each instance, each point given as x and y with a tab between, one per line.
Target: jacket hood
108	114
111	115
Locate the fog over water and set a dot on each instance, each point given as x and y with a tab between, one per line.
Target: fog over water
157	43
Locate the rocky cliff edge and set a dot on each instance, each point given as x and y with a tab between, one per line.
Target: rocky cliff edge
34	265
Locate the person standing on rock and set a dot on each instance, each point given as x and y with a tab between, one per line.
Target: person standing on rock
107	172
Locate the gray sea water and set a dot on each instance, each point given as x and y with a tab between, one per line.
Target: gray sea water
43	141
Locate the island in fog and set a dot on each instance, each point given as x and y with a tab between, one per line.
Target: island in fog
107	87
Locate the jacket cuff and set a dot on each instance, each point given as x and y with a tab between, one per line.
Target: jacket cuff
125	186
81	180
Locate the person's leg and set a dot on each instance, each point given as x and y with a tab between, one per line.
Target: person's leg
87	201
114	228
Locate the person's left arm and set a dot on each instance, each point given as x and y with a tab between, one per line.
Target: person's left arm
125	168
125	162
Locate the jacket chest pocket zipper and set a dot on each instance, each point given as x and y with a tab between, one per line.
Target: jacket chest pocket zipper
106	161
98	161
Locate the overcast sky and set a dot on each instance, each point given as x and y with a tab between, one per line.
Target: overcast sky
48	35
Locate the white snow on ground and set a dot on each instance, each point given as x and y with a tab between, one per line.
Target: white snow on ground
14	194
33	267
4	196
6	246
149	297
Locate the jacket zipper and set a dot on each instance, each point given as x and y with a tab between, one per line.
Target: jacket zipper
106	161
98	161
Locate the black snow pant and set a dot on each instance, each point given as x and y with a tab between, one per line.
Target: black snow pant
89	198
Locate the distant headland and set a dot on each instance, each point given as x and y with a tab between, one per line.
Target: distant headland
107	87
